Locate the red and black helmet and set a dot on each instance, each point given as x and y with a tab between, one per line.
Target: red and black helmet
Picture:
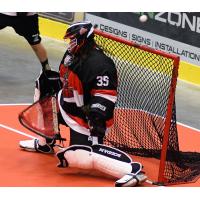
78	34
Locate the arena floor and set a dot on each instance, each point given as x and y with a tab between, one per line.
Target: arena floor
18	69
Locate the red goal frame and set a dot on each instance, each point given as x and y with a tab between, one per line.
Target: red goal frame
176	60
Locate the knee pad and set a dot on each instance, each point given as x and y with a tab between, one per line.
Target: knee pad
79	156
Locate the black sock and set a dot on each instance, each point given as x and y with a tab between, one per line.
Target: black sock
45	65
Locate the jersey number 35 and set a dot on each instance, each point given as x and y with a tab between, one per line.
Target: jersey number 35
102	80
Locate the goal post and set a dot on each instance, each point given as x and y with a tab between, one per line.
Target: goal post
145	112
169	113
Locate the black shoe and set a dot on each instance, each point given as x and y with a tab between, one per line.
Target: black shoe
33	145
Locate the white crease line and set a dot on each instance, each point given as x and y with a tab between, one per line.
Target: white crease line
195	129
16	131
15	104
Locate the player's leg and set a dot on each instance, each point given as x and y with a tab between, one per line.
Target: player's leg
81	139
41	53
28	27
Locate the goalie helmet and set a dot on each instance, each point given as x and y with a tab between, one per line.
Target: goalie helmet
77	36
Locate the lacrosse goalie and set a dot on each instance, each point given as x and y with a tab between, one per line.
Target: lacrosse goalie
86	93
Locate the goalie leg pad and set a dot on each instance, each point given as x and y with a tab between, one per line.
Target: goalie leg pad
113	162
112	167
105	159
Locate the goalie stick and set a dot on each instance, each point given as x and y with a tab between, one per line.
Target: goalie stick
55	118
154	182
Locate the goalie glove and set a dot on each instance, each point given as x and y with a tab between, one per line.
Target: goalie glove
97	126
96	123
47	84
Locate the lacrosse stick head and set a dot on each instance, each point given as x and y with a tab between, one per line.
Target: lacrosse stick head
41	118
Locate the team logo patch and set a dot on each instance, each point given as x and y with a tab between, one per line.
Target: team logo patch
99	106
35	38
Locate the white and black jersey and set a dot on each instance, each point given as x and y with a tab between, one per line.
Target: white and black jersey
89	89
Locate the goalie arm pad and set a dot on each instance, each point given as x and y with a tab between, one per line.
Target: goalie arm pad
47	84
105	159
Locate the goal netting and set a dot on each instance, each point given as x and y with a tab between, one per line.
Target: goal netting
145	112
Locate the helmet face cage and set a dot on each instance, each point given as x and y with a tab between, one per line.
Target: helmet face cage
77	35
72	45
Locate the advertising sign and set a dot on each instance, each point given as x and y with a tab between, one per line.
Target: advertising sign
176	33
65	17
